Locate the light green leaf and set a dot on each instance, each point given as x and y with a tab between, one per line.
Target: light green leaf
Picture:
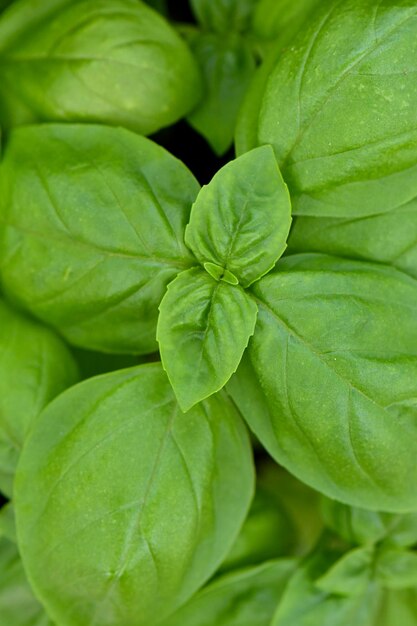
357	525
340	108
227	66
92	221
35	366
350	575
396	569
152	499
110	61
244	598
203	329
397	607
7	522
223	16
18	605
241	219
329	380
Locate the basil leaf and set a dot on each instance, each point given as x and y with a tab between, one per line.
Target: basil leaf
152	499
7	522
227	66
397	607
97	215
18	605
305	604
35	366
357	525
340	109
266	534
116	62
281	20
396	569
322	329
244	598
350	575
241	219
389	237
223	16
203	329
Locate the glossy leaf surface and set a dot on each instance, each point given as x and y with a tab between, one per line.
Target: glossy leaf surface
35	366
340	108
152	498
111	61
327	388
241	219
203	329
92	232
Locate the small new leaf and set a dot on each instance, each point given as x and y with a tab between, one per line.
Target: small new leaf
203	329
241	219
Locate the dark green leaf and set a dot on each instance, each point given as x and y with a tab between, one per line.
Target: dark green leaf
241	219
227	66
329	380
111	61
223	16
244	598
93	220
203	329
151	499
35	366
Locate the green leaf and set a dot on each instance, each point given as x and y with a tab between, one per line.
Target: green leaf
223	16
203	329
340	108
244	598
35	366
397	607
396	569
109	61
357	525
305	604
389	237
18	605
266	534
241	219
281	20
329	380
7	522
92	221
152	499
227	66
350	575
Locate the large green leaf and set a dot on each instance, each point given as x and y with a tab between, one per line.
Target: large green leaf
35	366
245	598
340	108
389	237
111	61
241	219
280	20
92	221
18	605
227	66
151	498
203	329
329	380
